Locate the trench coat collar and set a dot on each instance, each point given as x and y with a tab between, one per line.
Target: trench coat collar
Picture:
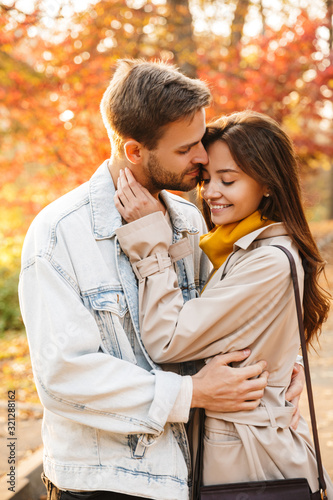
276	229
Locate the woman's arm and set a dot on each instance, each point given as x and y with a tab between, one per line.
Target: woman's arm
224	318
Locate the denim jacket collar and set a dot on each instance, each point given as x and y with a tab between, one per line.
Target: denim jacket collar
106	218
179	221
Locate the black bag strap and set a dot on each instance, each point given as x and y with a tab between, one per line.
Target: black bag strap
322	483
198	471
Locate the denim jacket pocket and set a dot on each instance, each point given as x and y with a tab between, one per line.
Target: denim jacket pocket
111	300
110	311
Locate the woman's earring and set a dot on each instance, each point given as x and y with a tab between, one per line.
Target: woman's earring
266	195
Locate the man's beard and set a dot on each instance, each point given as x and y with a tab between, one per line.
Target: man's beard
159	178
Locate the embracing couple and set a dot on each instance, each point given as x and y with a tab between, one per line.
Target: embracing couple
135	314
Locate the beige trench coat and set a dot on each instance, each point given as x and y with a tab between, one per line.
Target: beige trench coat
248	302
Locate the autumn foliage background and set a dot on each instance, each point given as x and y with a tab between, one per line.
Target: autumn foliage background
55	64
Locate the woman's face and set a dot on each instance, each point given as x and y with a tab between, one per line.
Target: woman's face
230	193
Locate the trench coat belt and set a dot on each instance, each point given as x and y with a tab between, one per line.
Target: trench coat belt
263	416
161	260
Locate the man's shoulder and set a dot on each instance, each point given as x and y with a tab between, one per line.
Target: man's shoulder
63	206
42	233
69	204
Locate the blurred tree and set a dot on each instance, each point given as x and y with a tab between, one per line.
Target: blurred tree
54	69
53	75
183	43
237	27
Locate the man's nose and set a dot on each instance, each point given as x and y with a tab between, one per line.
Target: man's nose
201	155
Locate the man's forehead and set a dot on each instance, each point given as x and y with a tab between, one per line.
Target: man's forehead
186	131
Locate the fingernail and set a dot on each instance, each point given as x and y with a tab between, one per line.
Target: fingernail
246	352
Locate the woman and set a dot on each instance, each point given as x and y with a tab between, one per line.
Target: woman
252	202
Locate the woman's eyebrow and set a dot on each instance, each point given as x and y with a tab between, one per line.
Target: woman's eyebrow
223	170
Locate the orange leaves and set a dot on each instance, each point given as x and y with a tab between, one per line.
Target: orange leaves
279	73
45	75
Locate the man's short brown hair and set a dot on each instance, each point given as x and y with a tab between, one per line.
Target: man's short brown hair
143	97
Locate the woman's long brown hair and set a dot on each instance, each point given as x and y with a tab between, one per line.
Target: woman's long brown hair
263	151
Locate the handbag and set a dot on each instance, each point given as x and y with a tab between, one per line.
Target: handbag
286	489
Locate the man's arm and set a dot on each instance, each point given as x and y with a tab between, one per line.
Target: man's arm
75	376
219	387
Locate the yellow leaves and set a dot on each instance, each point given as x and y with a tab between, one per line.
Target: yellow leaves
11	234
320	161
15	368
11	237
326	163
6	47
292	124
14	345
10	251
250	53
320	229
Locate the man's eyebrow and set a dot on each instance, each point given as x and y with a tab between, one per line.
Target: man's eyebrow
186	146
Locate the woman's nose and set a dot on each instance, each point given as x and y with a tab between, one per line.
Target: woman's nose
210	191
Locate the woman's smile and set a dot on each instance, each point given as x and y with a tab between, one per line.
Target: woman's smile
215	206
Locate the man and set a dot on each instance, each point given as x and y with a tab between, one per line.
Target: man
114	421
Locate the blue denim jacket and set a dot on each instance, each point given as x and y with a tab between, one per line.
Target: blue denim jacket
106	403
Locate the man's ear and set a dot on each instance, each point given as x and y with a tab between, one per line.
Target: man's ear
133	151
